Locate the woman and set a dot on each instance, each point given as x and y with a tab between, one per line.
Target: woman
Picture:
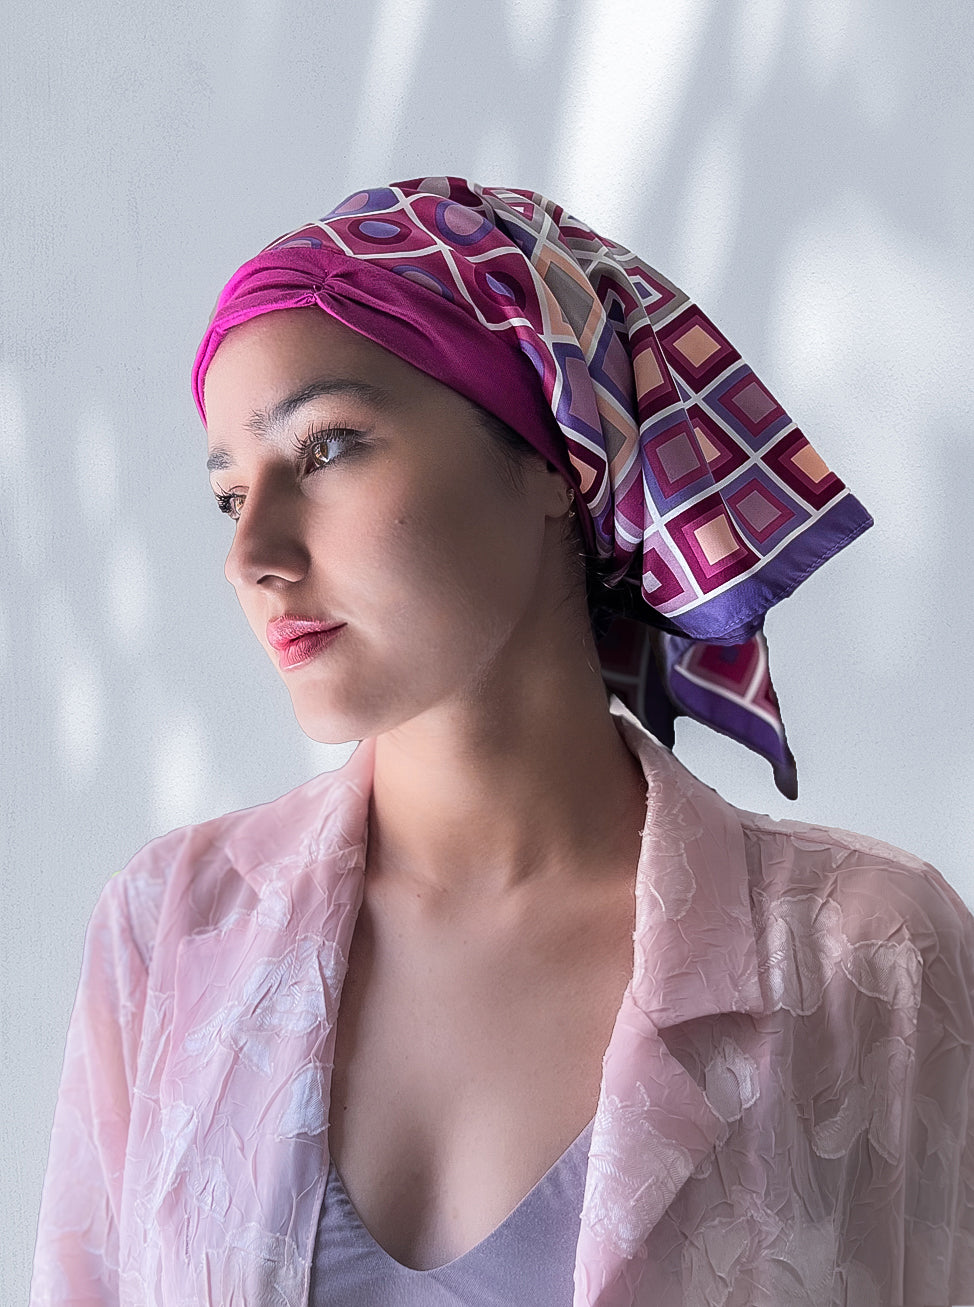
510	1008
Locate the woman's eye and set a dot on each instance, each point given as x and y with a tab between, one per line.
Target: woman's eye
320	448
226	504
325	445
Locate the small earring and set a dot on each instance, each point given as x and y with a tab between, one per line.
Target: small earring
571	503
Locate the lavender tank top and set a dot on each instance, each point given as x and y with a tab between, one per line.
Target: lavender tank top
529	1258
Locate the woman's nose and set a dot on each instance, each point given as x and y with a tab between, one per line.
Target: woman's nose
267	540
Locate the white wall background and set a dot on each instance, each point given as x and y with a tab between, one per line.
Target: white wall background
802	167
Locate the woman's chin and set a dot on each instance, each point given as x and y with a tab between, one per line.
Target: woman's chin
338	719
360	717
330	728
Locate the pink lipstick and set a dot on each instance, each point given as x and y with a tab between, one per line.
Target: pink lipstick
299	639
305	647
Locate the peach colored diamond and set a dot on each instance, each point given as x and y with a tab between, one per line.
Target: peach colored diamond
716	539
697	345
807	461
647	371
710	451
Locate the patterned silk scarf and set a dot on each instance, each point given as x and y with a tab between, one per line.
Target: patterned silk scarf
692	482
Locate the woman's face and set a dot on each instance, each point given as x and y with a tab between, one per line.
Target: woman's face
366	494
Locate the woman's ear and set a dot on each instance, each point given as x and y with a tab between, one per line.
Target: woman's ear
559	494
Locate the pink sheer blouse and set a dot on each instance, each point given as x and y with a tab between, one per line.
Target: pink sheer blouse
785	1108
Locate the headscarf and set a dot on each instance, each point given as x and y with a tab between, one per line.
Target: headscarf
704	500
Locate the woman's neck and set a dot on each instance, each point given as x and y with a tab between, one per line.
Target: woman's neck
490	798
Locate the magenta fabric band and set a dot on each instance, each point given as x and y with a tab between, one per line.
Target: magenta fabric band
412	322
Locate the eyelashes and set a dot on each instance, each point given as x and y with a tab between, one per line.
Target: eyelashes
225	503
307	448
318	438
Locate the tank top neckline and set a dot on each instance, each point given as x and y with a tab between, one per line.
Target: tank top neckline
477	1247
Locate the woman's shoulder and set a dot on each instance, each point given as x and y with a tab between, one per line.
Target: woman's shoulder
813	836
845	882
200	876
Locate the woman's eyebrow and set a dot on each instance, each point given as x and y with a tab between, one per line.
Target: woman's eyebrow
262	422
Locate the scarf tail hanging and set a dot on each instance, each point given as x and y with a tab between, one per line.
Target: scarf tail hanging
660	677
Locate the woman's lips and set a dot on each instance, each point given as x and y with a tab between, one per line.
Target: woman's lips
282	630
300	651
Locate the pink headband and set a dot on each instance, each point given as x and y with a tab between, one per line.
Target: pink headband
414	323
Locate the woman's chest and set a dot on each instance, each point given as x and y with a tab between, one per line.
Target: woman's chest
466	1062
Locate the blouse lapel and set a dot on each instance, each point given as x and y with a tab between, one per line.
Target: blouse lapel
695	954
234	1175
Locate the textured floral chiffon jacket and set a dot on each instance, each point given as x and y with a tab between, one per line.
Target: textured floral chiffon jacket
785	1108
